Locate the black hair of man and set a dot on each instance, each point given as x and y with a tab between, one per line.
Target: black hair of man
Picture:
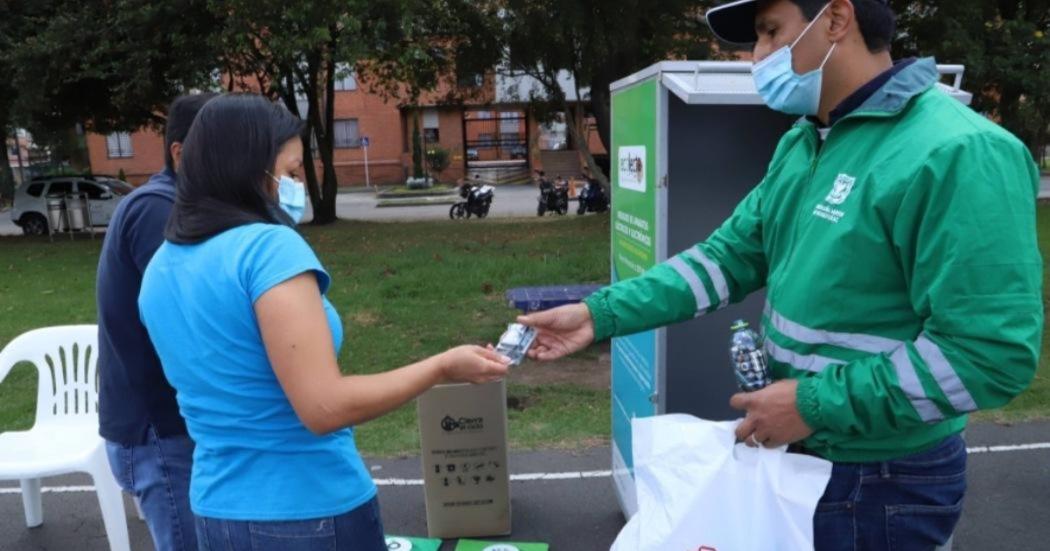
875	18
181	113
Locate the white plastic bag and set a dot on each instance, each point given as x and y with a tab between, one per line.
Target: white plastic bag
698	489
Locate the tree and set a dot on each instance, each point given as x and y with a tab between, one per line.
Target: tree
290	53
417	149
120	75
437	159
594	42
105	64
12	30
1005	45
7	177
295	52
421	47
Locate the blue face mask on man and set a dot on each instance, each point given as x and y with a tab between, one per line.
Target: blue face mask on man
291	196
785	90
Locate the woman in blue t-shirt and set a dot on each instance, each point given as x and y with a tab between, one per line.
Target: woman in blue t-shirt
234	302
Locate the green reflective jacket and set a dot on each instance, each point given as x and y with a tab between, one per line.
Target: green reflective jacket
903	277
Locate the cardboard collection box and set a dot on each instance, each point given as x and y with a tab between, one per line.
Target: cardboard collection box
463	435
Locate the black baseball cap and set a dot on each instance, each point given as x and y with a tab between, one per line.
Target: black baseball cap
735	22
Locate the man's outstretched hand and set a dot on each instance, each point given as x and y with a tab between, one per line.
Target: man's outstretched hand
560	331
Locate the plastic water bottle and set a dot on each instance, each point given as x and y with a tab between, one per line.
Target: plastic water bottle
749	360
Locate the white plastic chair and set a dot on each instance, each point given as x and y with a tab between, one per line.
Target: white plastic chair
64	438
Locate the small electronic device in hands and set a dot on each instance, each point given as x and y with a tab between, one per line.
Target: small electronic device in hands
515	342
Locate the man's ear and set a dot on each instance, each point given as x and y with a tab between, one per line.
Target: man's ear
842	19
176	154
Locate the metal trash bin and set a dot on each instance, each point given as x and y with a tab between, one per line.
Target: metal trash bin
56	213
76	207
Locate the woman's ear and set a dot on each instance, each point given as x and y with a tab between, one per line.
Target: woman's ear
271	183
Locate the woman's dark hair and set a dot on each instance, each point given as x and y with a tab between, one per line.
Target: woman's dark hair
226	157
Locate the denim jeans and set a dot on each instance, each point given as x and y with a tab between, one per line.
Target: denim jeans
358	530
910	503
158	474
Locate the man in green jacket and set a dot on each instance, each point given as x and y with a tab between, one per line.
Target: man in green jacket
894	233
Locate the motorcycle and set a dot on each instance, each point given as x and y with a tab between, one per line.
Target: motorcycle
553	198
478	201
592	198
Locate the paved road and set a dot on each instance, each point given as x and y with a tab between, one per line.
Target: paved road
510	202
1006	507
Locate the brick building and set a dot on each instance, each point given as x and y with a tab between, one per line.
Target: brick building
490	133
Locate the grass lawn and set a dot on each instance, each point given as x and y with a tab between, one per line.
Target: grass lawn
405	191
406	291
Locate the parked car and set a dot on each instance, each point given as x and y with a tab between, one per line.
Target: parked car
30	206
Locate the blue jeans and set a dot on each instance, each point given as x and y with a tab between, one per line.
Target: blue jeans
358	530
158	474
908	503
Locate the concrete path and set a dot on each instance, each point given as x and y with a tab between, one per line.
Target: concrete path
1006	507
511	201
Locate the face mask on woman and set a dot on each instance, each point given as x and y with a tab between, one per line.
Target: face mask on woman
291	195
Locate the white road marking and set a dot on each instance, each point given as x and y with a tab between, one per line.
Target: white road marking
1013	448
532	477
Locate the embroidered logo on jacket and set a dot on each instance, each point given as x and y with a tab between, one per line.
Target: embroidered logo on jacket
840	189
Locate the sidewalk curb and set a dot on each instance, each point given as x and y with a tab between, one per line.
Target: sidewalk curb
417	201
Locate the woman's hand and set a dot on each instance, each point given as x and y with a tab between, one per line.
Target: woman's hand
472	364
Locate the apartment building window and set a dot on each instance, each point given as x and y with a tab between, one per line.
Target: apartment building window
511	126
118	145
347	134
345	78
431	126
471	80
554	135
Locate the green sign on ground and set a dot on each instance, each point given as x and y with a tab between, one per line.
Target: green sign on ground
476	545
402	543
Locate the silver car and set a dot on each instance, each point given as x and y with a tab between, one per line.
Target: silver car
30	206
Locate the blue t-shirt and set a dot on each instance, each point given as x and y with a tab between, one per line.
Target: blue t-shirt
254	459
